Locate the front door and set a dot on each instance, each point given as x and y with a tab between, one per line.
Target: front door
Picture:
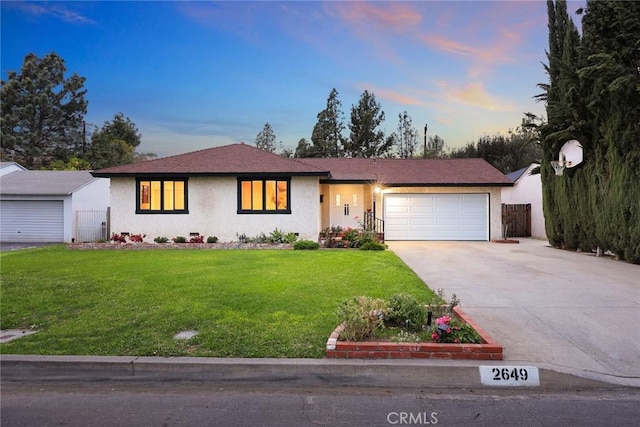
346	205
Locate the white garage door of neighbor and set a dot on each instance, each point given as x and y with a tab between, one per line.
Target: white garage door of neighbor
436	217
31	221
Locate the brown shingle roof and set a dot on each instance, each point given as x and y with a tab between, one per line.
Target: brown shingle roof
406	172
235	159
242	159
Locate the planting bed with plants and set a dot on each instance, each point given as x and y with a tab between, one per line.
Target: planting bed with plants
401	327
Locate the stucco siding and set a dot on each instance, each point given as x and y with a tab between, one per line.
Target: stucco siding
213	205
528	190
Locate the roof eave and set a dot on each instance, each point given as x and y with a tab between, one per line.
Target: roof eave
203	174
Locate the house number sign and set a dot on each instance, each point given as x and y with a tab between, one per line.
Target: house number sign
509	376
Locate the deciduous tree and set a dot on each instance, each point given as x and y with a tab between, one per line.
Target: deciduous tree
114	143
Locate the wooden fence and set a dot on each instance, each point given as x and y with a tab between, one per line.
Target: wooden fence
516	220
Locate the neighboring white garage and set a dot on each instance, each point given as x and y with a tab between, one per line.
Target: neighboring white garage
32	221
50	206
436	216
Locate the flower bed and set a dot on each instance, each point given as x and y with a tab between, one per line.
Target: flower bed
146	246
489	349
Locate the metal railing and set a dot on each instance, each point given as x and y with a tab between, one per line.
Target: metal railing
373	224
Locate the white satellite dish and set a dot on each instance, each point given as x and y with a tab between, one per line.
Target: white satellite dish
569	157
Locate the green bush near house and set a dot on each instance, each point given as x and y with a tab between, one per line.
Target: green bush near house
306	245
405	311
373	246
243	303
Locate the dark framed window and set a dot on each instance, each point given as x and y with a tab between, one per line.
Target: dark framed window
256	195
162	196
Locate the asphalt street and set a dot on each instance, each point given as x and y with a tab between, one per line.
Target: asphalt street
186	404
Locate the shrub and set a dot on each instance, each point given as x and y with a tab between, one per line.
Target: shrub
351	234
406	312
452	330
291	238
161	239
305	245
439	305
361	317
119	238
328	236
179	239
373	246
196	239
212	239
277	236
138	238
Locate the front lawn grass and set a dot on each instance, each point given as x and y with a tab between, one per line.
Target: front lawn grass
243	303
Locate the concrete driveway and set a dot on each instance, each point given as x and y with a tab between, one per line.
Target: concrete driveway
566	311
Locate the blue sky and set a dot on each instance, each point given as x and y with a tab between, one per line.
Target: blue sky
193	75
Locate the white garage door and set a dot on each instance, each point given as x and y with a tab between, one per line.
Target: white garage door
436	216
31	221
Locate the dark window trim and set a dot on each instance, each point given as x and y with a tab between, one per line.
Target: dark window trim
162	211
287	211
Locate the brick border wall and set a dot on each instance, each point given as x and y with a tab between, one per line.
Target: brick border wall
488	350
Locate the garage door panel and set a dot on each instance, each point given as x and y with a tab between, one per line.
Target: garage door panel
31	221
437	217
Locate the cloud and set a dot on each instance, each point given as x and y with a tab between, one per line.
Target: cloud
58	11
474	94
394	96
381	15
376	23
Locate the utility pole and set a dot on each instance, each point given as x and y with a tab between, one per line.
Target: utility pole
424	154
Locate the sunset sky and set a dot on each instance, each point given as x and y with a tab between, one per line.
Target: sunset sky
193	75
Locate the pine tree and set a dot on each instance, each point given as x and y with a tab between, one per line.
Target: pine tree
266	139
406	137
366	140
327	136
42	112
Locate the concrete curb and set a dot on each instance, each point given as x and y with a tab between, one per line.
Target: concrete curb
264	372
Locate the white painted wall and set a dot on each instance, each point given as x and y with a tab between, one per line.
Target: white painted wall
528	189
213	205
495	203
92	197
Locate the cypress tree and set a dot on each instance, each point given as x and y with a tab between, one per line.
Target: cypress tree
593	95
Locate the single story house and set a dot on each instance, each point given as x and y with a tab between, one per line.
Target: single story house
238	189
527	189
52	206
